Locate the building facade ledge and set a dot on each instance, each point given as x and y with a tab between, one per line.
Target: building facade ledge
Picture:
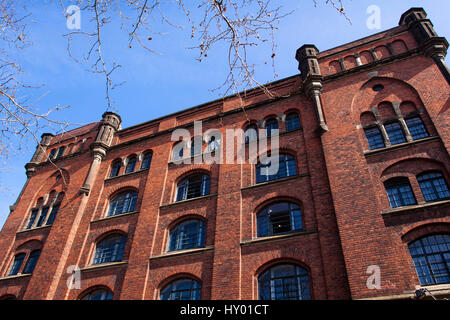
115	216
420	206
278	237
274	182
16	276
183	253
126	174
408	144
34	229
107	265
169	205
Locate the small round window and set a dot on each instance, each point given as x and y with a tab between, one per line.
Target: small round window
378	87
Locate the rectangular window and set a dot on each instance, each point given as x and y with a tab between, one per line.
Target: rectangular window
18	260
374	138
52	215
395	133
60	152
42	217
400	194
416	128
33	215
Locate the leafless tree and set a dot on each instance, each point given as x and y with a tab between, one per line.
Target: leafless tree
18	117
240	25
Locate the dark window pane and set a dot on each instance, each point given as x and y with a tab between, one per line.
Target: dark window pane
60	152
400	193
395	133
284	282
292	122
31	262
271	124
110	249
431	256
146	161
52	154
286	168
279	218
433	186
184	289
52	215
374	138
123	203
189	234
42	217
251	133
18	260
115	168
99	295
130	165
193	187
416	128
33	215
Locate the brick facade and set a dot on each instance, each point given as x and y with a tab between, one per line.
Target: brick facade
339	186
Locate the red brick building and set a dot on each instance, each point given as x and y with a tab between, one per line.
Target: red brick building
360	207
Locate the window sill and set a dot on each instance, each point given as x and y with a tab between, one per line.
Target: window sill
275	135
192	158
408	144
34	229
183	253
126	174
407	209
16	276
278	237
106	265
165	206
116	216
262	184
436	290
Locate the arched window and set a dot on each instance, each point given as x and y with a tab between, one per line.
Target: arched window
193	186
286	168
55	209
31	262
178	150
123	203
99	294
431	256
115	168
279	218
186	235
284	282
60	152
433	186
196	146
213	144
183	289
292	121
52	153
147	160
395	133
399	192
251	133
374	138
110	249
416	128
131	164
271	124
17	263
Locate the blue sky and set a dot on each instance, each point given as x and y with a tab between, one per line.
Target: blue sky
156	85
